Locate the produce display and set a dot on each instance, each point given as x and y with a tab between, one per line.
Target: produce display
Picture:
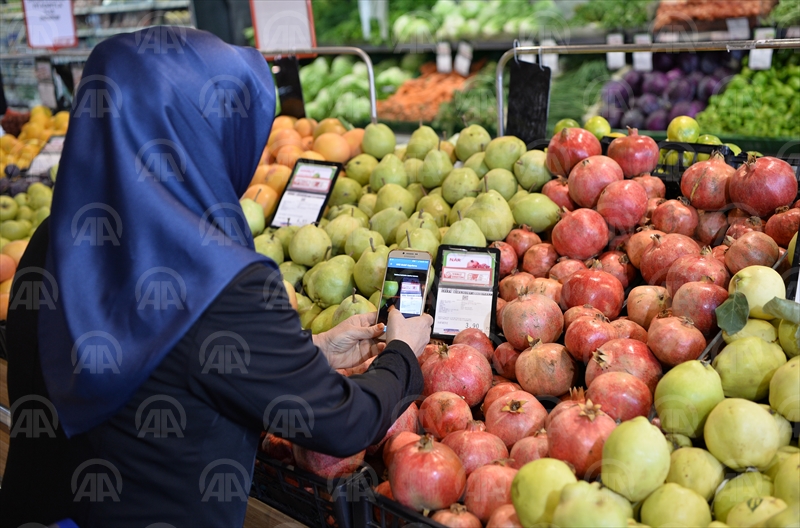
32	131
609	296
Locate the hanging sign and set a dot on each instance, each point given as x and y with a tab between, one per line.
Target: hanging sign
50	24
615	60
283	25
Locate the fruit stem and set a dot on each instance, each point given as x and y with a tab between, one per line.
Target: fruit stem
408	237
354	296
459	215
372	244
425	443
458	508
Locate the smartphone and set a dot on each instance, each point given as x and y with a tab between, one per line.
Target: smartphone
405	284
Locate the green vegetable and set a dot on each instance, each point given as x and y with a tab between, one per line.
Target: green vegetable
614	14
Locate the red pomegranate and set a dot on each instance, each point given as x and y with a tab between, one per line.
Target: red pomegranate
407	421
504	360
501	303
652	205
635	154
575	396
638	243
621	395
427	475
661	253
596	288
508	257
521	239
564	268
548	287
558	191
589	177
534	316
539	259
622	204
475	447
674	340
431	349
711	227
459	369
546	369
586	335
477	340
738	213
646	302
504	517
698	301
528	449
619	265
576	312
577	436
762	185
488	488
580	234
385	489
625	355
676	216
515	415
278	448
515	285
456	516
751	249
569	147
705	183
719	253
442	413
627	329
741	226
692	268
619	242
783	225
498	390
326	466
653	185
397	442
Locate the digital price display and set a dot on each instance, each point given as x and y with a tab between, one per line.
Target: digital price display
307	193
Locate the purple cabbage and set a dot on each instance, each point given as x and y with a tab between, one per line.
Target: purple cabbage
722	73
696	107
710	61
707	87
679	90
657	120
654	83
633	118
674	73
634	80
648	103
612	114
616	93
662	62
682	108
688	62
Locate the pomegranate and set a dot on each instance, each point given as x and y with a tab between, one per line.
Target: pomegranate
397	442
385	489
783	225
653	186
326	466
623	204
627	329
501	303
719	252
515	415
534	316
635	154
572	315
705	183
456	517
539	259
594	287
622	396
577	436
740	226
477	340
475	447
674	340
619	265
427	475
498	379
586	335
737	213
618	242
652	205
676	216
692	268
575	396
504	517
763	184
661	253
589	177
646	302
548	287
569	147
498	390
751	249
488	488
545	369
504	360
444	412
528	449
711	227
515	285
580	234
565	267
521	239
558	191
698	301
625	355
639	242
278	448
508	257
408	421
459	369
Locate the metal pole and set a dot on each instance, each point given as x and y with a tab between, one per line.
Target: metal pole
656	47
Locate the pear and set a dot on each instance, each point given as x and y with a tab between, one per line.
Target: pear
353	305
378	140
464	232
270	246
42	213
460	183
345	191
476	163
310	245
340	228
307	316
460	206
385	222
285	235
324	321
393	196
492	214
307	283
422	141
254	214
370	268
537	211
503	152
420	239
292	272
502	181
360	167
419	219
435	191
435	168
472	140
376	299
530	170
324	221
303	302
443	231
26	213
417	191
347	209
333	281
359	240
400	152
450	148
519	195
389	170
436	206
413	166
367	204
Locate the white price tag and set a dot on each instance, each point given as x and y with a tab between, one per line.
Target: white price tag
761	59
463	59
50	24
444	57
719	35
615	60
550	59
668	36
793	32
529	57
738	28
643	60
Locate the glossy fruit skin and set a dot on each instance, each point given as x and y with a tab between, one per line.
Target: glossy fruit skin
619	265
539	259
686	395
558	191
515	285
623	204
589	177
326	466
488	488
627	329
577	436
698	301
456	516
475	447
565	267
638	243
596	288
576	312
397	442
705	184
443	412
586	335
580	234
522	238
662	252
408	421
783	225
504	360
550	288
635	154
459	369
534	316
693	268
545	369
504	517
528	449
508	257
499	390
569	147
477	340
711	227
625	355
762	185
646	302
675	216
740	226
719	253
515	415
621	395
653	185
674	340
751	249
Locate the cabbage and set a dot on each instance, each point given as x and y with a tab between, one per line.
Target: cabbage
417	31
319	65
527	27
341	66
469	29
511	27
352	108
470	8
349	83
443	7
360	70
400	25
324	100
492	29
391	77
315	111
489	10
450	27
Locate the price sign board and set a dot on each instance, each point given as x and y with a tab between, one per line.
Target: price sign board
643	60
616	59
761	59
50	24
281	25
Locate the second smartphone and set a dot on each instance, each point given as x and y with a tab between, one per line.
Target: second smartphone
405	284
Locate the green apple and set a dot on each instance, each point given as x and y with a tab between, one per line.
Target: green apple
8	208
15	229
40	215
24	213
21	198
41	197
254	214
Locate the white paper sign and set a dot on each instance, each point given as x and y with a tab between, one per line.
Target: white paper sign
444	57
528	57
643	60
463	59
50	24
465	294
615	60
793	32
761	59
550	59
283	24
738	28
719	35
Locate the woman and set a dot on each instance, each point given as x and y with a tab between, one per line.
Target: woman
162	339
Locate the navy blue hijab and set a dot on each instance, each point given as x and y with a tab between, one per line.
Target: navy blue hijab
166	131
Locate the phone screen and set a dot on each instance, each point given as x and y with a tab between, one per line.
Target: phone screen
404	287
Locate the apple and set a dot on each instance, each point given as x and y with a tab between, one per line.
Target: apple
760	284
14	229
39	195
254	215
21	198
8	208
24	213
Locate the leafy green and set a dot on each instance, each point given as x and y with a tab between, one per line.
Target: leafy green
732	314
614	14
784	309
786	13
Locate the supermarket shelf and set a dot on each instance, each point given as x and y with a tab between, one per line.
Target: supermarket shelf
117	7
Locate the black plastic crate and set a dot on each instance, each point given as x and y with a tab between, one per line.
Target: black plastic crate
374	510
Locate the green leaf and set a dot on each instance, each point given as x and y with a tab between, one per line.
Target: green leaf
732	314
783	309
